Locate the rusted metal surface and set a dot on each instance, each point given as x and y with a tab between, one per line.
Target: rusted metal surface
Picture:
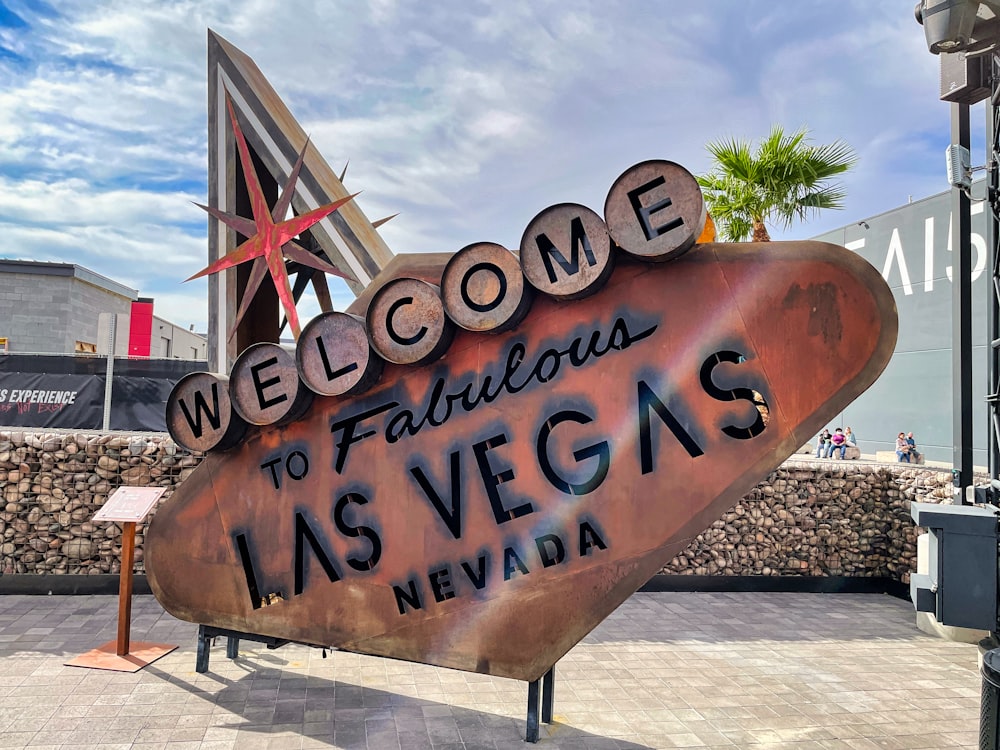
334	356
566	251
406	322
200	415
484	290
655	210
264	386
487	510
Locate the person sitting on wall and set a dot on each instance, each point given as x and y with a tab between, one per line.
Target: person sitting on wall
838	442
852	449
915	455
902	449
823	445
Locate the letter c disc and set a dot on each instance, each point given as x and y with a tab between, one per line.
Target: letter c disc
407	324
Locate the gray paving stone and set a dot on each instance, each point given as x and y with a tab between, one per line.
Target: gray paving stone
665	670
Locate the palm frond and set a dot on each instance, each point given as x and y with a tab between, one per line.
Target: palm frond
784	179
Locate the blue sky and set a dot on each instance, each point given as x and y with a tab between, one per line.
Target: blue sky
465	117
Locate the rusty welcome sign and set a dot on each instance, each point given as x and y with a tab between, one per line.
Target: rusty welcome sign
479	470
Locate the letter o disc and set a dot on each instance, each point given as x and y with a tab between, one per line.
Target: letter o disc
483	288
334	357
200	416
265	387
566	251
655	210
407	324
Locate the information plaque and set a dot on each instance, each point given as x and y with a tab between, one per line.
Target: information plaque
129	504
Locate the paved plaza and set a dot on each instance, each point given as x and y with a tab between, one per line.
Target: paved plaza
706	670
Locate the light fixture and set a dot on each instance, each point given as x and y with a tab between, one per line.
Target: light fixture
958	25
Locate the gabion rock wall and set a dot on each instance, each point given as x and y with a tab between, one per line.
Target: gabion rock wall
825	518
52	484
820	518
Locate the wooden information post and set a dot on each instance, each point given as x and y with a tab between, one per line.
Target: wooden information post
128	506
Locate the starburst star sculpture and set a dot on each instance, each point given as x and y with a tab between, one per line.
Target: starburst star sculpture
270	240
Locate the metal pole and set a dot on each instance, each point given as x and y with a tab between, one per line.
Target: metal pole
109	372
961	317
992	259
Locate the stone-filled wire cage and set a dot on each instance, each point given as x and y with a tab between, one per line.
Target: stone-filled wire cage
820	518
52	484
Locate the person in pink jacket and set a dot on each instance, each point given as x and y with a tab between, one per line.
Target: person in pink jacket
838	442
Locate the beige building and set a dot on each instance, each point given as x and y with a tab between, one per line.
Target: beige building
63	308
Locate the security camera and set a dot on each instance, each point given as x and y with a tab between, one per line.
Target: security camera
959	25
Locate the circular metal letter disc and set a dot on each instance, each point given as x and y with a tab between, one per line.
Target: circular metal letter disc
334	357
407	324
200	415
655	210
265	385
566	251
483	288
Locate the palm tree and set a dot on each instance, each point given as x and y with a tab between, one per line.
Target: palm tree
784	179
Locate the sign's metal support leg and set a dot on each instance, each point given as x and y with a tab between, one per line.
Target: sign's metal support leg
204	650
531	732
548	689
548	694
232	647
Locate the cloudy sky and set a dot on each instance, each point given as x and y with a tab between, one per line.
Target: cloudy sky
465	117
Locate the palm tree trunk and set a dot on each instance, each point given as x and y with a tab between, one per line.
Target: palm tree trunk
760	232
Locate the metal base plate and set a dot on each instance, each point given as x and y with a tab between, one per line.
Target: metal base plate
105	657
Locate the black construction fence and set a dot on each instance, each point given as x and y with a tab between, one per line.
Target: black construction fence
68	391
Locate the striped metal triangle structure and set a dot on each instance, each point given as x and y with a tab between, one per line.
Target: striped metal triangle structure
346	237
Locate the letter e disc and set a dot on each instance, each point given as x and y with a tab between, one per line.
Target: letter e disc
334	356
483	288
200	416
566	251
655	210
407	324
265	387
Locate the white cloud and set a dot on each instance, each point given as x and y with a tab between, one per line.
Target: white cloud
467	118
77	202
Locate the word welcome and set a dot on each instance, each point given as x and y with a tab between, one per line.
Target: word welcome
654	212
